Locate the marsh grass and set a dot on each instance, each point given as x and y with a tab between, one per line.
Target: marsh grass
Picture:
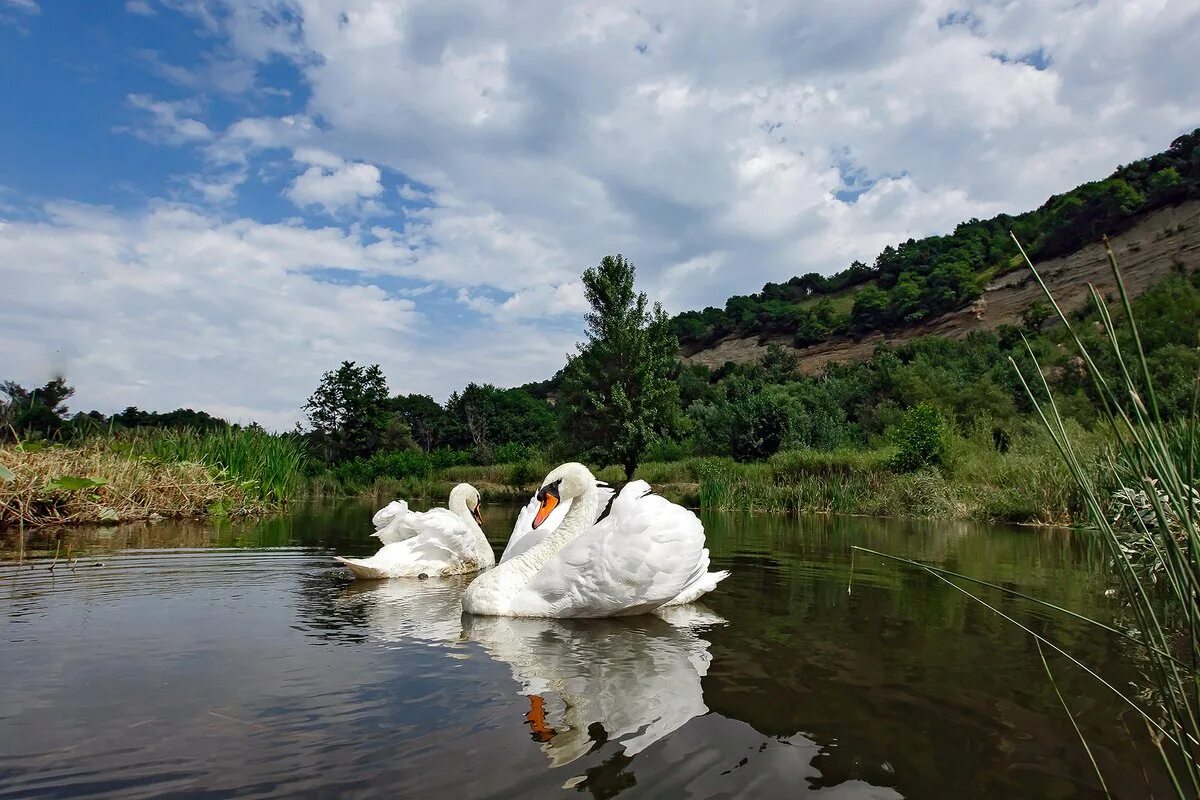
271	466
112	486
1139	492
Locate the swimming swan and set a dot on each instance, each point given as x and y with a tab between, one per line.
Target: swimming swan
644	554
441	541
524	537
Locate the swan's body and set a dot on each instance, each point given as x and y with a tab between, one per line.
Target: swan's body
524	537
441	541
641	556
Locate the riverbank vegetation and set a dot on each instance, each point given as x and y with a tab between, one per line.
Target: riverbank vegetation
935	427
121	475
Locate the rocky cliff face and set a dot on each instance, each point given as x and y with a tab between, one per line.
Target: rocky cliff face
1163	241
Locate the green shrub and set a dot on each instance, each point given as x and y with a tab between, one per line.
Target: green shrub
920	438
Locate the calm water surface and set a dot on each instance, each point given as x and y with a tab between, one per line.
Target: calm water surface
202	660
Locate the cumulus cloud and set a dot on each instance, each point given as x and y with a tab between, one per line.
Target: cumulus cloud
334	184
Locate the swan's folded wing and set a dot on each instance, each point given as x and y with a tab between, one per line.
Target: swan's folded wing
442	529
634	560
442	537
524	536
386	514
395	523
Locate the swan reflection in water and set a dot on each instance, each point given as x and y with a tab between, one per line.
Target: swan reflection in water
428	611
634	680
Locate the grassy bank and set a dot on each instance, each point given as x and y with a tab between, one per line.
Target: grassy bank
1027	484
148	474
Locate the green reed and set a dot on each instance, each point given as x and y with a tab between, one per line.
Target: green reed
1140	495
271	466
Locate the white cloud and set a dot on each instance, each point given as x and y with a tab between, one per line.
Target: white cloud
176	307
24	6
548	138
139	7
333	184
169	121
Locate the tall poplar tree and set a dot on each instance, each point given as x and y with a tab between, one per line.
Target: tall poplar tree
619	392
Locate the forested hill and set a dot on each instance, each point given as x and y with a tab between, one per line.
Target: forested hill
921	280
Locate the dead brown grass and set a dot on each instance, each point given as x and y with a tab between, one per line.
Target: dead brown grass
135	488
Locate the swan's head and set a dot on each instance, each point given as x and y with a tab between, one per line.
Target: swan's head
467	496
565	483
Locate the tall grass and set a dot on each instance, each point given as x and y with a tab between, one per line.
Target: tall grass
271	467
1155	465
1140	494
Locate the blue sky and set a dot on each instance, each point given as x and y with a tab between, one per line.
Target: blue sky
208	204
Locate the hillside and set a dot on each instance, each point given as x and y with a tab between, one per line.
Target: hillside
1159	243
972	278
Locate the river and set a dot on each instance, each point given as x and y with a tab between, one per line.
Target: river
204	659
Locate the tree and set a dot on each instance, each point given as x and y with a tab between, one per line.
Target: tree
870	304
1035	315
350	414
425	419
619	392
484	418
40	412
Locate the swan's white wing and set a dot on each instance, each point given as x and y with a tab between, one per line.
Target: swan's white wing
634	560
395	523
524	536
443	541
386	514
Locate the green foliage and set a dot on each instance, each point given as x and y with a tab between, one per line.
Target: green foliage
34	412
357	474
618	392
870	308
350	415
274	465
427	421
133	417
483	418
919	438
73	483
1035	315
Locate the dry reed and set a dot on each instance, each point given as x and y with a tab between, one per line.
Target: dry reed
132	488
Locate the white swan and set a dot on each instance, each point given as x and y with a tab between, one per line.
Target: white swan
644	554
524	536
441	541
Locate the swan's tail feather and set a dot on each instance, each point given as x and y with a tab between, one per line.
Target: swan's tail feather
361	569
706	584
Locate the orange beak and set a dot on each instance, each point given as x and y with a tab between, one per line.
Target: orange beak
478	516
549	503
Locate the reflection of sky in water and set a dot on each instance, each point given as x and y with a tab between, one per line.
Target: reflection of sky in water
268	673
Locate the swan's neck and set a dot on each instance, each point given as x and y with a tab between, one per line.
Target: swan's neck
577	519
458	507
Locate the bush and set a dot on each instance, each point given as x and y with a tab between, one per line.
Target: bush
920	438
513	452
